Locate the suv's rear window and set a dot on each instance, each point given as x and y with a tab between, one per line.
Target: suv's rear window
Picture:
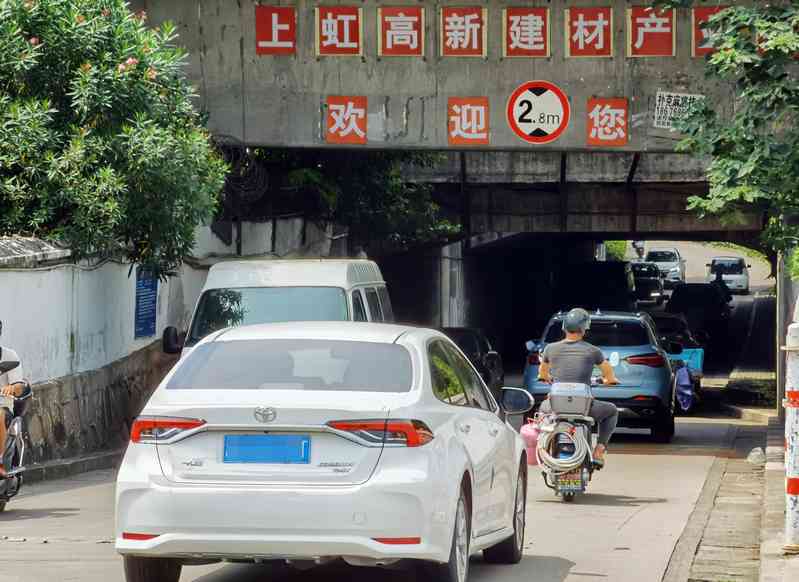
727	266
607	333
221	308
661	256
295	364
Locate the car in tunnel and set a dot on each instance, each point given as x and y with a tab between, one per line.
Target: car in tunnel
648	282
734	271
671	265
646	393
310	442
704	306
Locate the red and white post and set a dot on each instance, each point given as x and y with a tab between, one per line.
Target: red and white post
791	404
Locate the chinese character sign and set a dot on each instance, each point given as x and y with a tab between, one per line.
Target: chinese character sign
608	122
589	32
467	121
670	107
275	30
463	31
339	30
400	31
650	33
525	32
346	120
700	42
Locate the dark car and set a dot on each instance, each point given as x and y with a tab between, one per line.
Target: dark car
477	348
704	306
648	282
605	285
674	327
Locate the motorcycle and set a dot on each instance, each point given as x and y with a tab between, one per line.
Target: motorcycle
14	448
566	440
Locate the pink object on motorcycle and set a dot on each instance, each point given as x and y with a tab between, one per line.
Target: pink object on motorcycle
530	432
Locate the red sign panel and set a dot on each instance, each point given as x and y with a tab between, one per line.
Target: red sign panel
400	31
525	32
589	31
467	121
463	31
339	30
700	41
346	120
608	122
275	30
650	32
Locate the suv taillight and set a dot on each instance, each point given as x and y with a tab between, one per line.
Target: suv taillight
651	360
401	433
149	429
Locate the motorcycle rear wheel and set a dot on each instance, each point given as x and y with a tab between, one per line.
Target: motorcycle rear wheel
568	497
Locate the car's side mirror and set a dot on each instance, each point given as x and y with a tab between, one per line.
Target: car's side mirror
171	342
516	401
8	360
674	348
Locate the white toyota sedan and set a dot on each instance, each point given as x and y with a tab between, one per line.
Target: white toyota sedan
309	442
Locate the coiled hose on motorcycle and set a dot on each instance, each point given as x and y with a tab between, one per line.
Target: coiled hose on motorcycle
564	465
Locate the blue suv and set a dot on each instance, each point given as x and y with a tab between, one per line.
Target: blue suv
646	393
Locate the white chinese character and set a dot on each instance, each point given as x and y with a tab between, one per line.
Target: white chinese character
608	123
651	23
330	31
402	31
462	31
274	42
527	32
584	35
469	122
345	119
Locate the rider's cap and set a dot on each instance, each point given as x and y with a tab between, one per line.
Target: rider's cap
577	320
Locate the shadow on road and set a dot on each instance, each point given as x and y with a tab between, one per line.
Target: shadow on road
605	500
548	568
11	514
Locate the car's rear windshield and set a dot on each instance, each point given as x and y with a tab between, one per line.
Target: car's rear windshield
727	266
221	308
608	333
645	270
661	256
295	364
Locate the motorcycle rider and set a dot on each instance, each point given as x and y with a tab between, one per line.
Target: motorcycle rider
12	383
572	360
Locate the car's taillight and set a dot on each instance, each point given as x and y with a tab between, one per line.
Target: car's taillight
651	360
533	359
149	429
403	433
138	537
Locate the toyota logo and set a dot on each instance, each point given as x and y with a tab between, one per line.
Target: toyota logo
265	414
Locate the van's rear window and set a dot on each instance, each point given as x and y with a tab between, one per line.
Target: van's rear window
295	364
221	308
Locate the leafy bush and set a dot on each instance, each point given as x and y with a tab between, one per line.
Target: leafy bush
616	250
100	146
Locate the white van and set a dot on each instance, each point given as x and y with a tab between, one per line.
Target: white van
271	291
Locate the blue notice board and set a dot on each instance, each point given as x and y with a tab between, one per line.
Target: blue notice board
146	303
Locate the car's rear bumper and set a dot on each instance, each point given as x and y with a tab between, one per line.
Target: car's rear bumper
220	521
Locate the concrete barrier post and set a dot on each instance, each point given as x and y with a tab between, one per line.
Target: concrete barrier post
791	404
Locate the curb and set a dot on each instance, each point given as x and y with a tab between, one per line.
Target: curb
63	468
746	414
774	565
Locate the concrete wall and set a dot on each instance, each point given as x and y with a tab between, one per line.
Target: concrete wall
279	100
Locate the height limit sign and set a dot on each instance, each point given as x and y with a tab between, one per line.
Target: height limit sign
538	112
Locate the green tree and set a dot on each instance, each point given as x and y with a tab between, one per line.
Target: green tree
754	152
100	146
368	192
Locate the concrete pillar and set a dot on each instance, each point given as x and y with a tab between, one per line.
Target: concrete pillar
791	404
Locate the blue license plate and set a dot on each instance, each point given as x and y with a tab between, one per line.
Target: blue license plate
277	449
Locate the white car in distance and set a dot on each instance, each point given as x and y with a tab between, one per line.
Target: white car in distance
308	442
734	272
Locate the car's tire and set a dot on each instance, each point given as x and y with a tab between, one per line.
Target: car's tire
510	551
664	429
139	569
457	568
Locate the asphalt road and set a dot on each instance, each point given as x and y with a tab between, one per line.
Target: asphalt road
624	530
